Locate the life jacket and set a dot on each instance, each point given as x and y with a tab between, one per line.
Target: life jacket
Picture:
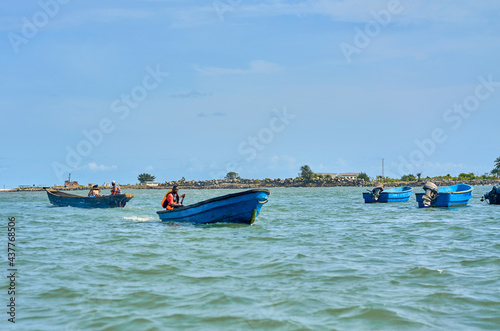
116	190
164	202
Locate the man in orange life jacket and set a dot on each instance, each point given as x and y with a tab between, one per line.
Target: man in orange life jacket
116	189
171	199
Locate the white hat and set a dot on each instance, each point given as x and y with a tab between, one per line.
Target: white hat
113	182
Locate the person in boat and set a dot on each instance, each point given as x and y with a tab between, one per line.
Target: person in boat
115	189
171	199
377	190
492	197
95	191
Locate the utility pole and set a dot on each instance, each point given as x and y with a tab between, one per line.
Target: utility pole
382	168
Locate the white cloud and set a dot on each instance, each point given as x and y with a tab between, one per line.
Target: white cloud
359	10
187	14
254	67
190	94
194	165
282	161
341	162
95	167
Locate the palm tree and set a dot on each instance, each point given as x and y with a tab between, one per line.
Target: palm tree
496	170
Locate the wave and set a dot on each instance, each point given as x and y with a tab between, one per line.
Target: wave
140	219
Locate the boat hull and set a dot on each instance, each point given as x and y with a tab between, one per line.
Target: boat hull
449	196
63	199
241	207
399	194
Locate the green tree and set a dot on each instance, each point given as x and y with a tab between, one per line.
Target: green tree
306	172
496	170
408	178
232	175
142	178
364	176
463	176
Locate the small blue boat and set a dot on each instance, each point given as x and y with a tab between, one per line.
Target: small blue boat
449	196
241	207
396	194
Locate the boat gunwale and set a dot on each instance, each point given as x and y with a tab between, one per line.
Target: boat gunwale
219	198
458	192
396	192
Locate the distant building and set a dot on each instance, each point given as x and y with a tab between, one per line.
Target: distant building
152	184
69	183
349	175
106	184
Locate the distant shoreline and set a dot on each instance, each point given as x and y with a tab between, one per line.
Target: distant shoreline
269	183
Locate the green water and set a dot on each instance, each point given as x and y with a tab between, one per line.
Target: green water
315	259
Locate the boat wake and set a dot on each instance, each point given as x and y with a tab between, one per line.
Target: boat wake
140	219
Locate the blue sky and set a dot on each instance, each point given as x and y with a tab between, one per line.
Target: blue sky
107	90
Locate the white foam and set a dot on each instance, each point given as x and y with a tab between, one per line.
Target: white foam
138	219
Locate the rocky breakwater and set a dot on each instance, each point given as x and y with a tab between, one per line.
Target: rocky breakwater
263	183
440	182
317	182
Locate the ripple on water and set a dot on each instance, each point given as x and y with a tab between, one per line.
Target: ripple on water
316	258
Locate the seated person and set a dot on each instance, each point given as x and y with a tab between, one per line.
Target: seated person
171	199
94	191
116	189
376	191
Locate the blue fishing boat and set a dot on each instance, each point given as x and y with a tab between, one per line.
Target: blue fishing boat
241	207
63	199
449	196
396	194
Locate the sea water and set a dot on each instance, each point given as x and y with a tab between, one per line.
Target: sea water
315	259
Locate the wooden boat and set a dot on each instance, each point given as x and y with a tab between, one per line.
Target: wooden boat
241	207
63	199
493	196
449	196
396	194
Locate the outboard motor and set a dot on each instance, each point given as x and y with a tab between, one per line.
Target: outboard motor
493	196
376	191
431	193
